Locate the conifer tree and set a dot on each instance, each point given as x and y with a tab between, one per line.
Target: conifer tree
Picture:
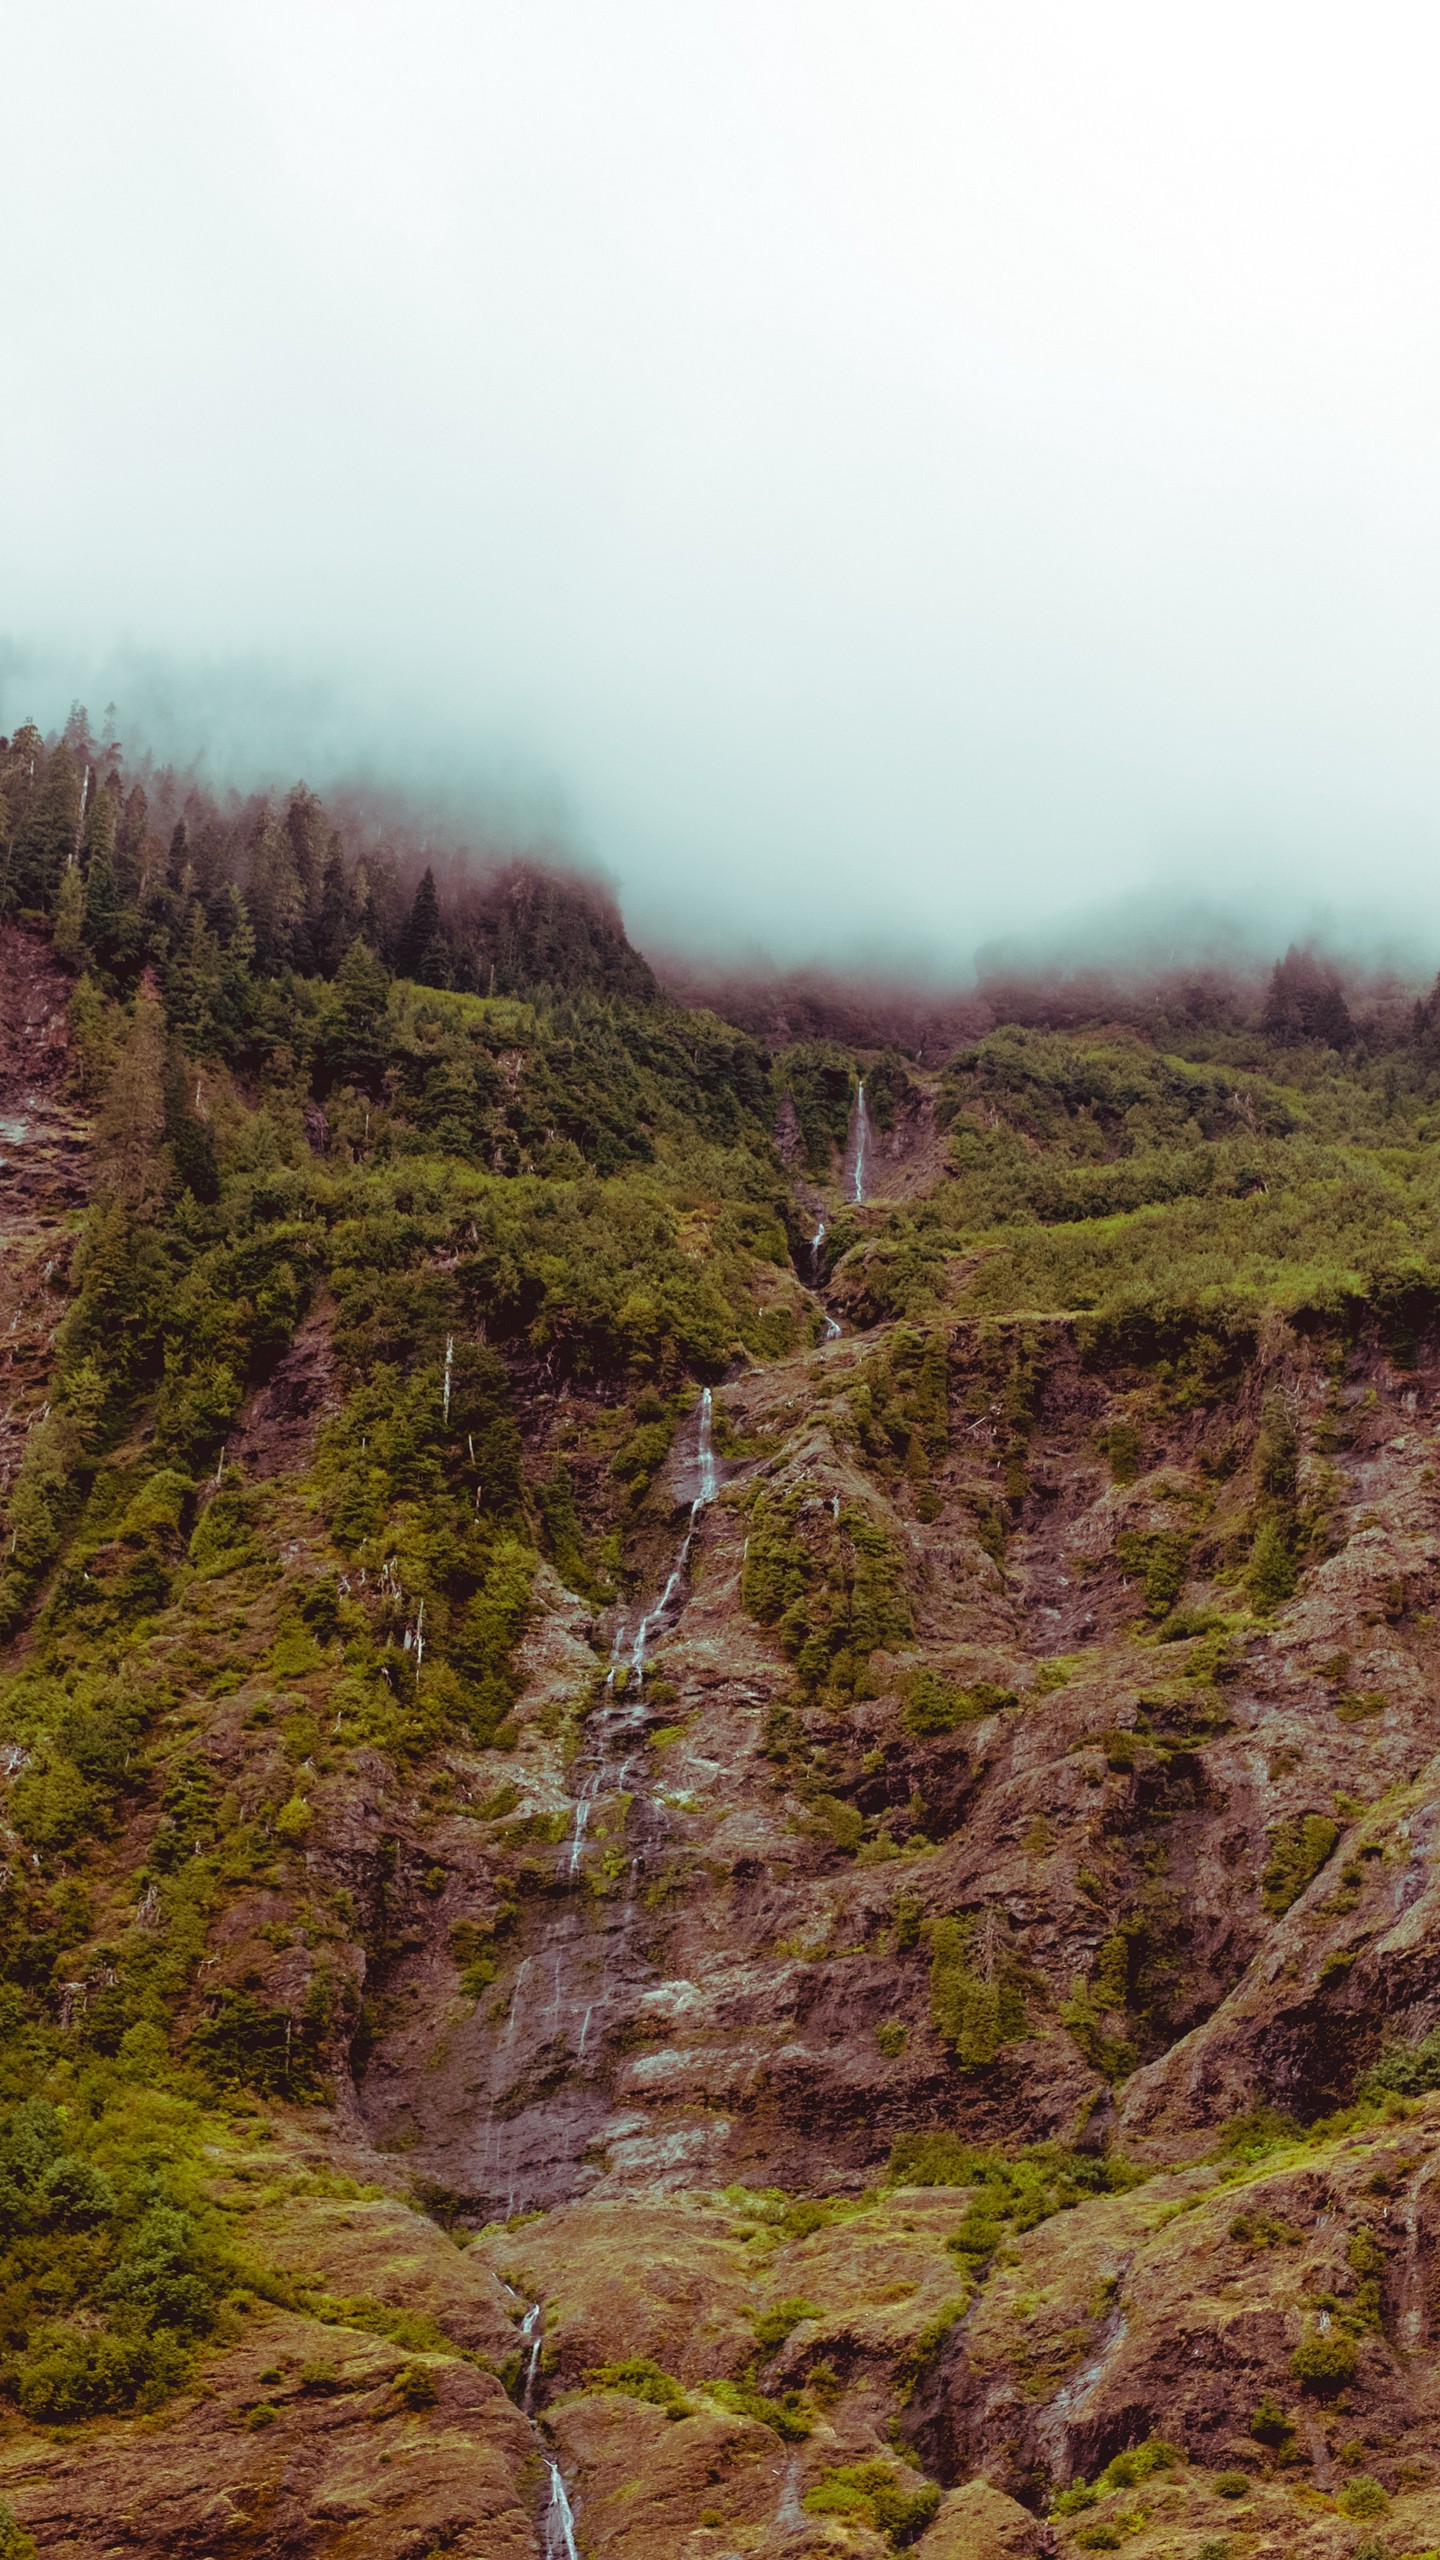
106	937
76	736
45	838
102	820
355	1047
423	955
130	836
130	1130
273	895
239	935
194	984
69	932
332	922
311	839
24	767
1305	1002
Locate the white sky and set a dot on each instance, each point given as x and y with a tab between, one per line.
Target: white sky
873	476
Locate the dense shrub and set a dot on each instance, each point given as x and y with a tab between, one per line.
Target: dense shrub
874	2493
1324	2361
1298	1851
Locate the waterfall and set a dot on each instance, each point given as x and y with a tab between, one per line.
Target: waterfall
559	2521
705	1455
449	1365
862	1136
586	1951
816	1242
532	2329
707	1487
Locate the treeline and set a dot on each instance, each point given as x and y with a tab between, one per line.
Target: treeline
1301	1001
223	896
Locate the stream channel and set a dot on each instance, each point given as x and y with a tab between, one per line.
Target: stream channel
538	2085
545	2094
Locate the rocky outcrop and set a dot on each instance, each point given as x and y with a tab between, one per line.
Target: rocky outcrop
948	1803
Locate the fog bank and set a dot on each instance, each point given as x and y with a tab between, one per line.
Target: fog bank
879	484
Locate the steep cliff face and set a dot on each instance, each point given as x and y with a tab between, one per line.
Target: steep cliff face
917	2004
43	1180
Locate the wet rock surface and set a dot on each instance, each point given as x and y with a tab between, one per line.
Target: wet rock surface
44	1179
594	2233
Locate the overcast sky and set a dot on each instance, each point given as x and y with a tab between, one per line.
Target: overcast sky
874	477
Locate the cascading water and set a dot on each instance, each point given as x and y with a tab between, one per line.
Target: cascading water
541	2077
862	1142
532	2329
831	1327
559	2520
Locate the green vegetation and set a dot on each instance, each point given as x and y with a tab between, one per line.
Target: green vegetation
1269	2424
420	1192
1009	2194
418	1221
790	2413
977	1990
111	2265
935	1705
1298	1851
1172	1196
899	1409
1125	2471
15	2543
1363	2497
640	2378
874	2493
1324	2361
773	2325
1157	1559
830	1582
1407	2069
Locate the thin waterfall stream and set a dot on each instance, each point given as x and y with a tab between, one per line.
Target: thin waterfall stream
559	2520
832	1328
862	1143
544	2092
541	2073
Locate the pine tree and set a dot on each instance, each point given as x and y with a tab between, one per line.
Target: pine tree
332	927
102	820
239	936
24	767
312	842
1305	1002
423	955
273	895
194	986
130	839
45	838
77	738
130	1131
106	936
69	933
355	1046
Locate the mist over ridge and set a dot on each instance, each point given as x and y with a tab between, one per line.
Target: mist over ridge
242	738
720	1281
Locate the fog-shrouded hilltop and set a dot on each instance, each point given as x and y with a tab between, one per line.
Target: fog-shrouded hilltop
719	1725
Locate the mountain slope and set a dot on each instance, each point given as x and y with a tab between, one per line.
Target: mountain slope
848	1815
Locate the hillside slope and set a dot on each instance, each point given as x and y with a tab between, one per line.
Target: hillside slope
690	1862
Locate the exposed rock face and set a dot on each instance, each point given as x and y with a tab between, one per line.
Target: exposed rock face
692	1984
43	1179
625	2016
